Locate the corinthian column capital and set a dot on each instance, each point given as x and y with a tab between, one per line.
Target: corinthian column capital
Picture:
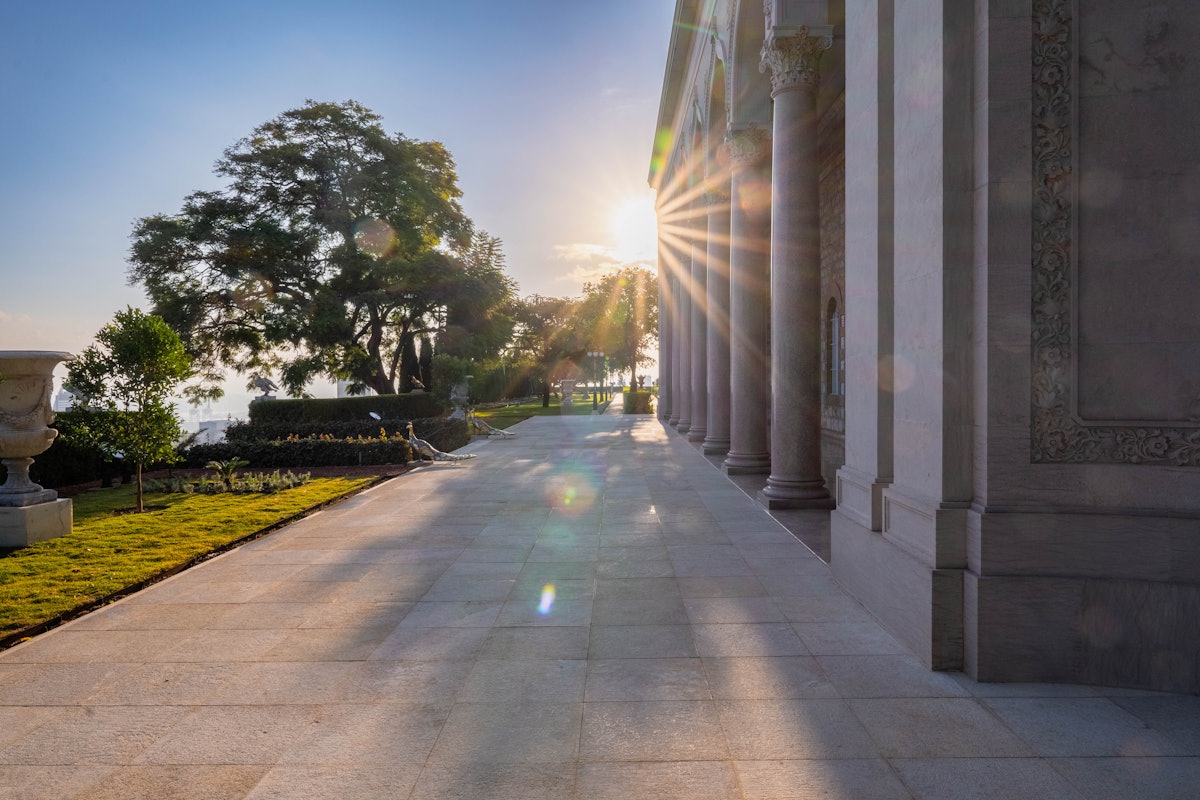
794	60
747	147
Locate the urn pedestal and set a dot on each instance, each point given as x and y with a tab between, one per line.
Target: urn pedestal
28	513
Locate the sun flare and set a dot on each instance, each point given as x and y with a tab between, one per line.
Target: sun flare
634	228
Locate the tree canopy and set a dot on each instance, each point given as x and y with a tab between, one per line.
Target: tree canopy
129	373
619	315
545	335
333	250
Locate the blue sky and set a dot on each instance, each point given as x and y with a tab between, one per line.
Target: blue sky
116	110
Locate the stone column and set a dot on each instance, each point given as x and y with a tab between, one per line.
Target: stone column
749	232
795	480
683	338
699	328
716	441
666	374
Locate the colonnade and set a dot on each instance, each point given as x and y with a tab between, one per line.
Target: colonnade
740	336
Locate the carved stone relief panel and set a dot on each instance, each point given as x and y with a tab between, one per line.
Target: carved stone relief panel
1116	245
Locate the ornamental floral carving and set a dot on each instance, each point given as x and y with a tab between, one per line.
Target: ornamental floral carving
794	61
1057	434
747	146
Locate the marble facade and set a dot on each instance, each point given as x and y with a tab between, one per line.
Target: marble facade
962	252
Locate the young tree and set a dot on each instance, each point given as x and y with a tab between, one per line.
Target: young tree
129	373
619	315
544	334
334	249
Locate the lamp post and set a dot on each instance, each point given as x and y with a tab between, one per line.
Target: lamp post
595	355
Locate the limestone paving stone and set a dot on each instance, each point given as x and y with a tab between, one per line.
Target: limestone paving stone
232	735
652	731
529	642
847	639
807	728
641	641
767	678
927	727
662	780
807	779
182	782
1081	726
93	735
748	639
646	679
509	733
474	780
1146	778
542	680
986	779
430	644
43	782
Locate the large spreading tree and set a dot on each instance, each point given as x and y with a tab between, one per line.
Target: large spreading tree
545	336
619	315
335	250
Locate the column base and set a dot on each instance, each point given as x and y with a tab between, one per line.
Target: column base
715	446
781	493
683	426
747	464
696	434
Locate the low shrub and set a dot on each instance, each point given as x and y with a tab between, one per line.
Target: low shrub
257	483
367	429
636	402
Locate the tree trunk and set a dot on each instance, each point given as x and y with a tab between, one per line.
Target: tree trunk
140	506
410	365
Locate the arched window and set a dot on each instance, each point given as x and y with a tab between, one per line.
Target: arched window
835	349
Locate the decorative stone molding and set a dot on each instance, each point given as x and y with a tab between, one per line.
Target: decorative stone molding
716	195
747	147
1058	435
794	60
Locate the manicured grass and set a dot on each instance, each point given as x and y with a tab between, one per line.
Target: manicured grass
511	415
108	551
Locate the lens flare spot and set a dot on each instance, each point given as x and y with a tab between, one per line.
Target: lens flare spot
573	491
374	237
896	374
547	601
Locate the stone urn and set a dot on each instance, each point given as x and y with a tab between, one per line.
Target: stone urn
566	387
26	380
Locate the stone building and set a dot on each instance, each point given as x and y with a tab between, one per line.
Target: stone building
933	264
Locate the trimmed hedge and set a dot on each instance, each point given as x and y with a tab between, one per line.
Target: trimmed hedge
346	409
303	453
636	402
314	451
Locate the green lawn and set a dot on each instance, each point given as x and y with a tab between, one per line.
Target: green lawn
108	551
511	415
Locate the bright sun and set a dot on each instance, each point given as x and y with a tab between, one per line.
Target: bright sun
635	229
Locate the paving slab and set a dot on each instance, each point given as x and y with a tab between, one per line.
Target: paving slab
590	609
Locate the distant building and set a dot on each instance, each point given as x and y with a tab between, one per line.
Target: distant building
63	401
212	431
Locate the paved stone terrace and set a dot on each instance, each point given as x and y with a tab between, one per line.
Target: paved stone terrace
403	645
